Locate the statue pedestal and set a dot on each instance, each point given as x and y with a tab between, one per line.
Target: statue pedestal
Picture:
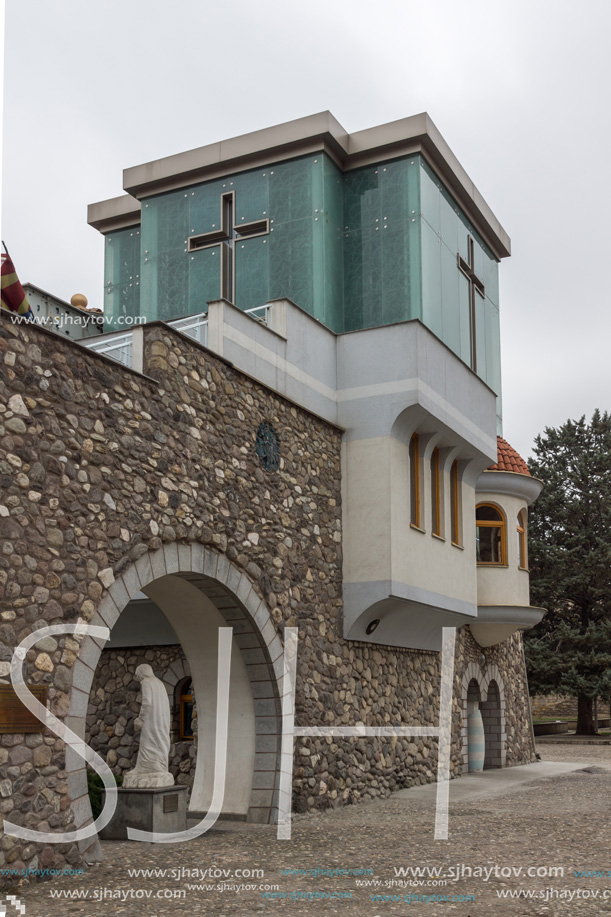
159	809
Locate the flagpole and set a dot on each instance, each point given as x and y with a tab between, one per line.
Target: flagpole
4	247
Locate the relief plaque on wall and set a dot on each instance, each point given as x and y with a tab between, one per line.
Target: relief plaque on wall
14	717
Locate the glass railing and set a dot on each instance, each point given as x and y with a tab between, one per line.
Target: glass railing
119	346
116	346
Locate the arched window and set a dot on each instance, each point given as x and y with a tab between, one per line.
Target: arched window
454	505
185	710
435	503
414	481
521	528
490	535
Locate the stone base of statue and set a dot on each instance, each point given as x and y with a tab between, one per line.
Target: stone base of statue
159	809
134	780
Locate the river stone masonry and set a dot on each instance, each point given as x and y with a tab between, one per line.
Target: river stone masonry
115	701
100	468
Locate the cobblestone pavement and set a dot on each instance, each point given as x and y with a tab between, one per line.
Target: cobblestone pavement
558	822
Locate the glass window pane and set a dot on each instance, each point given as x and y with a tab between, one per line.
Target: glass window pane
435	510
414	483
489	544
488	514
454	507
521	541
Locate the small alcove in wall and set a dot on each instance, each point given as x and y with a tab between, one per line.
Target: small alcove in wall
485	689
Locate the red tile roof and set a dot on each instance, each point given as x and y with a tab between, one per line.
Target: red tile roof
508	459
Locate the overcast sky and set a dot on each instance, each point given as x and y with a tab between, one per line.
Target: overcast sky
520	90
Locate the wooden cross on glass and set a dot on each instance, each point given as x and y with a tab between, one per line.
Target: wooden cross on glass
475	284
226	237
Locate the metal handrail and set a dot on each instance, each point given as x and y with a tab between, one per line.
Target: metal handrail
104	345
195	321
194	326
122	342
266	310
107	345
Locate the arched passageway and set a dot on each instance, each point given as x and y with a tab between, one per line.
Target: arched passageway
199	591
485	689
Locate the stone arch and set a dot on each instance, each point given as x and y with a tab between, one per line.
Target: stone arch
232	593
177	672
474	694
492	705
175	695
493	716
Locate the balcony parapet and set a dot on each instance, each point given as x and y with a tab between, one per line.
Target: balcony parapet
495	623
509	483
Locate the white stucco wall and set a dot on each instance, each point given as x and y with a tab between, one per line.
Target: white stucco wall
418	557
367	501
504	585
196	621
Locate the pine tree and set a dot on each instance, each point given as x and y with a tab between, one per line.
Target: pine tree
569	540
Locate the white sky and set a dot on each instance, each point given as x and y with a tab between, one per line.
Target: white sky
520	90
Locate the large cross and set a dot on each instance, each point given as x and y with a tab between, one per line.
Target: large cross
228	234
475	284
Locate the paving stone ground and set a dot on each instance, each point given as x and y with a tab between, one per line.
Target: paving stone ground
558	822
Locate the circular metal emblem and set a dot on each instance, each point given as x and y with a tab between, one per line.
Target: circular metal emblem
268	447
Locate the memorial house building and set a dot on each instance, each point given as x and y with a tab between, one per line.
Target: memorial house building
295	421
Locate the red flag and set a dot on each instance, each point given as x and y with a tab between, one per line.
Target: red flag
13	294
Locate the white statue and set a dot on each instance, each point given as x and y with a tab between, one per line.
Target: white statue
151	768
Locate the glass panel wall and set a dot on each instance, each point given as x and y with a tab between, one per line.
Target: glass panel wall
369	247
122	274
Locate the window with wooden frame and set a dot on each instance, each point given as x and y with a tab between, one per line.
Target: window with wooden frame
435	494
414	481
521	530
490	540
455	525
185	710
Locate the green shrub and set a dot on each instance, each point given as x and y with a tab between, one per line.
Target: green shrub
95	786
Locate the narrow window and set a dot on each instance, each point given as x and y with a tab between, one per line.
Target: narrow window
414	481
454	504
521	540
490	535
435	507
186	710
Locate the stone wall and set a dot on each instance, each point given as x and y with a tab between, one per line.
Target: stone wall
114	704
400	683
562	706
557	705
327	773
100	467
508	659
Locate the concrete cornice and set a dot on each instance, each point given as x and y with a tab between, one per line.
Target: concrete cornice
316	133
259	148
522	616
510	483
116	213
496	623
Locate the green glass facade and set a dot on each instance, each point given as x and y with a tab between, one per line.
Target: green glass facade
122	273
444	233
382	274
373	246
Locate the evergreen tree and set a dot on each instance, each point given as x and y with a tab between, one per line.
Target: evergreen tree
569	652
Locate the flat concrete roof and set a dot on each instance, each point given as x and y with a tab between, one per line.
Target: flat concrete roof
115	213
316	133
